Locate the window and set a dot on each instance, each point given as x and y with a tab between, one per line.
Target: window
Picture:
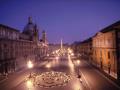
3	33
108	54
5	45
114	53
100	53
95	52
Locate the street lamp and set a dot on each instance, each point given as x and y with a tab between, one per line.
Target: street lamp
30	65
78	62
29	84
48	66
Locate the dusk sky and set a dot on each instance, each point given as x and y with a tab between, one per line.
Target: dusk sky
72	20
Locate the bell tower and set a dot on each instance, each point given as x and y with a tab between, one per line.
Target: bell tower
35	34
44	37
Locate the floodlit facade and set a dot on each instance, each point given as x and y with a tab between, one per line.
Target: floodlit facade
103	50
17	48
106	50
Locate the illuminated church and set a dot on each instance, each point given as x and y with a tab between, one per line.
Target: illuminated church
17	47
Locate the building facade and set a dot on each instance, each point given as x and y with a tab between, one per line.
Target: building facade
106	50
17	48
118	53
83	49
103	50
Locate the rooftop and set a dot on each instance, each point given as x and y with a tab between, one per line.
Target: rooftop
10	28
114	26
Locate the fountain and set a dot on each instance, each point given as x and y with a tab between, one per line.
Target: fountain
51	79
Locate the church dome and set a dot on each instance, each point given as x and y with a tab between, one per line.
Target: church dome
29	28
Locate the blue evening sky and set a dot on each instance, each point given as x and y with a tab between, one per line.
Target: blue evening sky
72	20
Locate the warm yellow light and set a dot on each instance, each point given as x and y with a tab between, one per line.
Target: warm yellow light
72	54
70	51
57	58
47	54
30	64
29	84
76	86
78	61
48	66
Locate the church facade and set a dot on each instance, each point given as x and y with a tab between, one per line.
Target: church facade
16	47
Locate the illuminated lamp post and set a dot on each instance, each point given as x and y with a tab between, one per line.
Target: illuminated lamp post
30	65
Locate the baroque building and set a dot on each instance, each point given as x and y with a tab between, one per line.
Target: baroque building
16	47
